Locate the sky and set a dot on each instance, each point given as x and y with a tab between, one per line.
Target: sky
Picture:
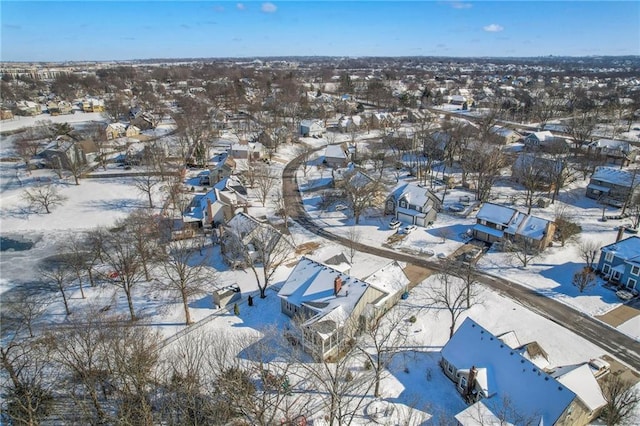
112	30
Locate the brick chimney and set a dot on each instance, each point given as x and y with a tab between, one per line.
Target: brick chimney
337	285
471	382
621	230
209	211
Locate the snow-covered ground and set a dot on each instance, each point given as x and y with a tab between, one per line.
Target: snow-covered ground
414	372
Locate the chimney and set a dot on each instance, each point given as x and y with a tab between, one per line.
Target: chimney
471	382
337	285
209	211
621	230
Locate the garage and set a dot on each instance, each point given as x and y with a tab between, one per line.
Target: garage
407	218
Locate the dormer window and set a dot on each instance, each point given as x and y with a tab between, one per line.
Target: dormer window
403	204
609	257
635	269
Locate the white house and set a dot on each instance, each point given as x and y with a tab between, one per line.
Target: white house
311	128
330	307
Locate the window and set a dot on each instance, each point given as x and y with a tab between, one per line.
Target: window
631	283
450	368
606	269
609	257
463	382
403	204
635	269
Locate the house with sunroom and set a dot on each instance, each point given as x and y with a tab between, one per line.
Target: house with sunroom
413	204
620	263
329	307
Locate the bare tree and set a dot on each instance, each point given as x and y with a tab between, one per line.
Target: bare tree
144	231
20	309
265	180
28	389
354	237
145	184
452	294
584	279
61	276
381	341
119	252
80	352
46	197
523	250
264	248
622	399
566	227
341	388
186	273
589	250
360	191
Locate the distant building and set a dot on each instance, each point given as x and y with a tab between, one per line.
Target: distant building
312	128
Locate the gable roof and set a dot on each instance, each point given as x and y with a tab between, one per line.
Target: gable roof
627	249
414	194
615	176
580	379
496	213
531	392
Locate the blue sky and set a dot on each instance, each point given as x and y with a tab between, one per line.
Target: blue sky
110	30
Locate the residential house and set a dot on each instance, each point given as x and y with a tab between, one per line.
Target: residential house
496	223
413	204
59	108
145	121
132	131
28	108
92	105
336	156
220	166
348	124
67	153
382	120
6	114
244	234
505	136
218	205
620	262
612	186
503	387
312	128
330	307
542	140
115	130
246	150
536	167
615	151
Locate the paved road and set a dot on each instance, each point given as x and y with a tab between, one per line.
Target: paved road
621	346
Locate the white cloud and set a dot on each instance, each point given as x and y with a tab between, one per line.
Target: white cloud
493	28
461	5
268	7
240	6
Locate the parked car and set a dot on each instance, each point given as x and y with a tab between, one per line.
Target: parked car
599	367
340	207
394	224
409	229
472	254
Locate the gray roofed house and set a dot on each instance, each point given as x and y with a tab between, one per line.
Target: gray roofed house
613	186
413	204
487	372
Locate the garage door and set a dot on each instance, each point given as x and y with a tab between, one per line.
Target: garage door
403	217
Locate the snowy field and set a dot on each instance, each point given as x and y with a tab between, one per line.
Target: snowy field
414	375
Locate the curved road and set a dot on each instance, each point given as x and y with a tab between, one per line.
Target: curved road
621	346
